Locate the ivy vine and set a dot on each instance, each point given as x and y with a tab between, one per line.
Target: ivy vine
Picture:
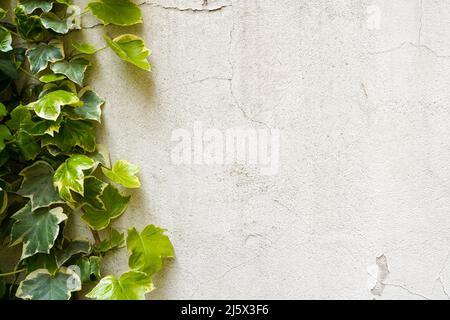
51	166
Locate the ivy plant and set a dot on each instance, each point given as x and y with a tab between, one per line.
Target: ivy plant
51	167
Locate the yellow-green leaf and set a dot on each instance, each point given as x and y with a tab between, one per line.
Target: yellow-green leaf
118	12
148	249
123	173
132	49
132	285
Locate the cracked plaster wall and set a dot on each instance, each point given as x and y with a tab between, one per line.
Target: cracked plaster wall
365	145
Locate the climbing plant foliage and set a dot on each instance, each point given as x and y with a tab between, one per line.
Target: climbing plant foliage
51	167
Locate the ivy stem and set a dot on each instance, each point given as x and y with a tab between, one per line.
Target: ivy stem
96	236
12	273
28	73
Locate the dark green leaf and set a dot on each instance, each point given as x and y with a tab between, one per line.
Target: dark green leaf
37	230
37	185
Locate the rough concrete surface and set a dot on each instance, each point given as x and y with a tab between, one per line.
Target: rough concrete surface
360	207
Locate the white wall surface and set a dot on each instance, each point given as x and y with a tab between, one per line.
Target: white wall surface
360	91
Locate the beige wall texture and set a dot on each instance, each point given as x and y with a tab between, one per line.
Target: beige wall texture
360	93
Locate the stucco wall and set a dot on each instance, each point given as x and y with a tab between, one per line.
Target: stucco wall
360	91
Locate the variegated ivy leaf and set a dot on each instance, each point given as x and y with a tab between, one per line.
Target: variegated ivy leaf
37	185
29	27
49	106
130	48
93	190
123	173
73	69
85	48
70	176
53	22
115	204
91	108
73	248
132	285
42	54
71	134
31	5
148	249
115	240
37	230
118	12
5	134
48	78
5	40
41	285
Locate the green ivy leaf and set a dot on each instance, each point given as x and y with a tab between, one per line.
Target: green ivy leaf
3	13
41	261
73	69
53	22
49	106
31	5
41	285
5	134
9	69
116	240
85	48
20	118
123	173
28	146
118	12
44	127
132	285
89	268
29	27
42	54
3	111
132	49
148	249
3	200
73	248
5	40
91	108
70	177
37	185
48	78
37	229
101	156
71	134
115	204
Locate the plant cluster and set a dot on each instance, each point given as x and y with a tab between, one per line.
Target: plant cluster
51	166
